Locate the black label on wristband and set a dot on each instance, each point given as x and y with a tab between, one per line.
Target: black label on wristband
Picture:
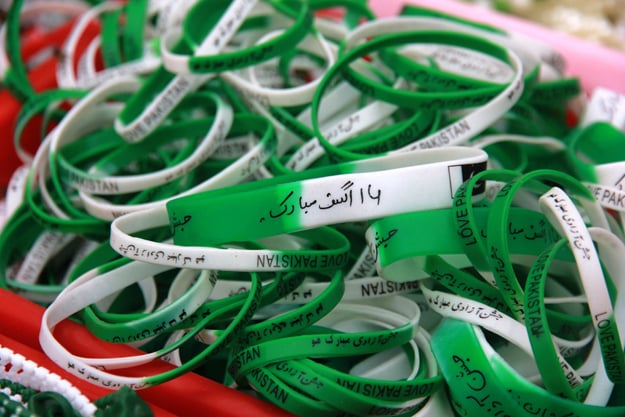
468	171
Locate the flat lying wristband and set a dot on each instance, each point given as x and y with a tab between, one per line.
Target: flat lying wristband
563	213
138	119
98	283
214	63
347	192
332	255
497	239
487	381
399	256
237	171
97	182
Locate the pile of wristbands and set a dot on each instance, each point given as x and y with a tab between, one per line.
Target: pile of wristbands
344	215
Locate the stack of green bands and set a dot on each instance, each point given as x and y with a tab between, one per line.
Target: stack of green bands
348	216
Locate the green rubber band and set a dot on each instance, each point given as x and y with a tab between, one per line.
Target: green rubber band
141	328
296	320
395	136
125	154
37	104
132	33
17	79
415	10
419	99
253	55
555	93
402	98
504	389
227	336
110	47
463	283
16	239
498	242
474	242
87	226
538	328
273	389
403	255
311	346
402	390
429	76
329	391
597	143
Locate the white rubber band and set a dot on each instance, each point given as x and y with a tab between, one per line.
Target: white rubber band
181	85
562	213
314	44
451	305
88	289
100	183
65	75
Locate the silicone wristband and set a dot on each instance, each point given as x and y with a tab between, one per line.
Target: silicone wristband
455	133
598	162
14	73
497	241
136	14
399	256
206	63
137	62
480	70
463	283
343	398
542	345
365	185
534	51
109	34
65	74
454	306
474	242
312	346
100	183
488	382
432	99
298	319
250	89
136	119
355	289
562	212
47	246
334	253
185	304
35	47
33	106
16	239
238	171
391	397
611	250
347	129
91	78
93	286
49	213
400	390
